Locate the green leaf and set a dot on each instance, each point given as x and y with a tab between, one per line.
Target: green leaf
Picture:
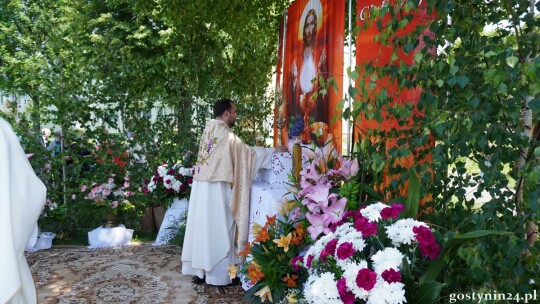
511	61
428	292
453	69
413	196
462	81
418	57
440	83
367	188
407	48
490	54
438	264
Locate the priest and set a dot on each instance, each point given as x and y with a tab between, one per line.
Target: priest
22	196
217	221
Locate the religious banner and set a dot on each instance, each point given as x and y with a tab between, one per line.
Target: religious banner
370	51
313	55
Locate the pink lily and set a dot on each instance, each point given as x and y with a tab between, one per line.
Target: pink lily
349	168
319	224
336	208
319	193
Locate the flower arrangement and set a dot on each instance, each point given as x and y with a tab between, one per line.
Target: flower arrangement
170	181
110	196
274	252
355	251
367	257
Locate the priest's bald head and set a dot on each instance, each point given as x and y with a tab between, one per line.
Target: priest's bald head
225	110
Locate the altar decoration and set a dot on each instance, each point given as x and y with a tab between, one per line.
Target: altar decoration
170	180
368	257
310	65
271	269
351	249
110	197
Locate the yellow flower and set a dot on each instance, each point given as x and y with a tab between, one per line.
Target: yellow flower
286	207
292	299
264	293
233	270
256	228
284	242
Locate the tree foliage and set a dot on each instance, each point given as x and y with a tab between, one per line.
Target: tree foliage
481	100
150	69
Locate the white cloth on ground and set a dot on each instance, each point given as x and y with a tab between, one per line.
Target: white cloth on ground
22	197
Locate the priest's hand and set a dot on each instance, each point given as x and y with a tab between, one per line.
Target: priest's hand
280	149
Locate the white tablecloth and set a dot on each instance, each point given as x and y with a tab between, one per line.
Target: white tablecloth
171	222
110	237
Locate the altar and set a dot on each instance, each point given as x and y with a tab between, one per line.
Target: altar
269	190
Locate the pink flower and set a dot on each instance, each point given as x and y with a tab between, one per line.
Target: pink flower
83	188
329	249
386	213
319	224
428	245
110	180
367	228
396	209
319	193
349	168
114	204
423	234
431	249
366	279
309	260
391	276
105	192
294	262
346	296
310	172
126	184
345	251
392	211
336	208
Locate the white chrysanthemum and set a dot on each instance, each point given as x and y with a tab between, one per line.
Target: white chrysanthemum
344	230
350	276
401	232
373	211
176	185
355	237
151	186
318	247
322	289
162	170
186	171
166	184
385	259
385	293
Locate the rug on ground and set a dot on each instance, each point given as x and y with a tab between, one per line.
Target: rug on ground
138	273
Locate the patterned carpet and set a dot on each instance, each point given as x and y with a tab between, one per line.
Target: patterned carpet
135	274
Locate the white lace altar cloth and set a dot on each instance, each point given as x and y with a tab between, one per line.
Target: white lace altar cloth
171	221
110	237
